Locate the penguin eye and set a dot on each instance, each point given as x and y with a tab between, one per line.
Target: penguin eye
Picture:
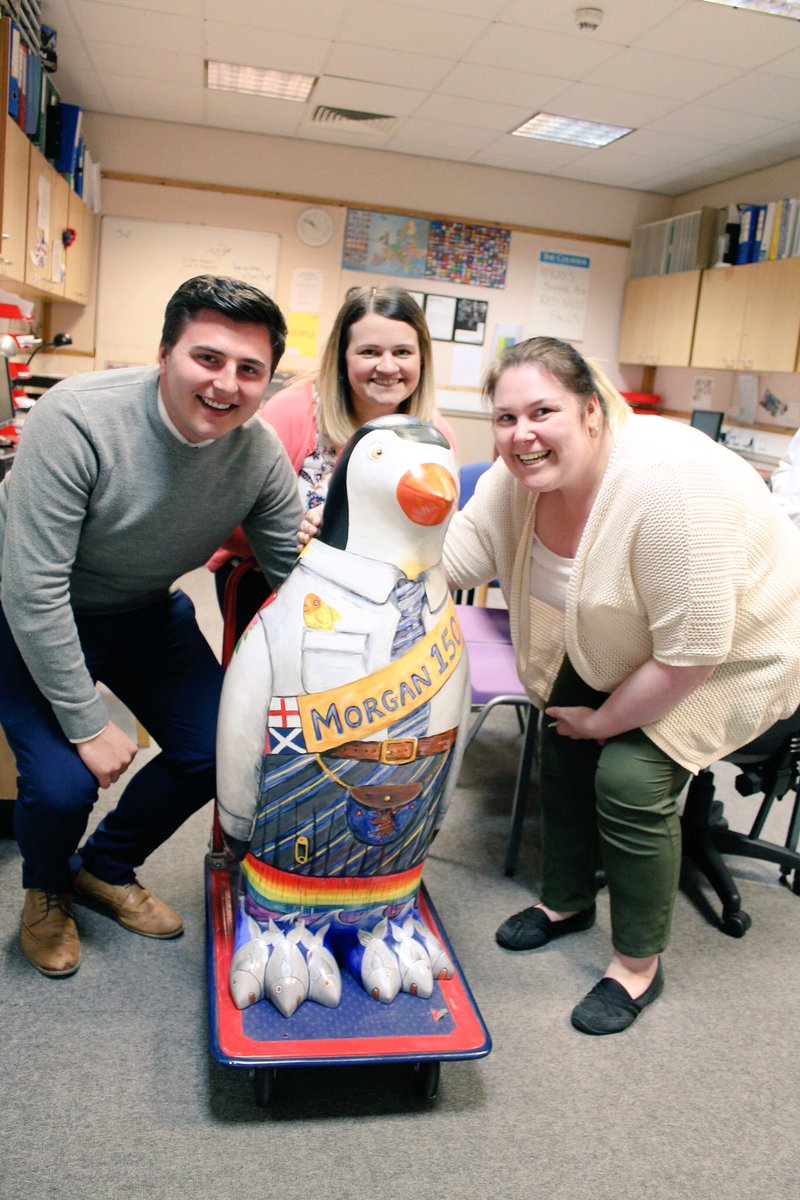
376	451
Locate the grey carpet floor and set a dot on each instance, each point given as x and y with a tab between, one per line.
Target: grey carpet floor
109	1090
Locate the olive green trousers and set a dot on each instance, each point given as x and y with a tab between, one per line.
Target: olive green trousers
611	807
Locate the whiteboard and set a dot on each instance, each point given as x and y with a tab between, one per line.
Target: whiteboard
143	262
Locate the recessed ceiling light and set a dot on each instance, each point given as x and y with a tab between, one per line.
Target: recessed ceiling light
257	81
789	8
570	130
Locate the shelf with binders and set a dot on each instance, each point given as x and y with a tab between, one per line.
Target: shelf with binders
53	126
48	241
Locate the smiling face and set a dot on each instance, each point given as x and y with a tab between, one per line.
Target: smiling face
383	365
215	376
543	432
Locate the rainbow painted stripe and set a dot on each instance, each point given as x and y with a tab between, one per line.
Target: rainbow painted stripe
283	889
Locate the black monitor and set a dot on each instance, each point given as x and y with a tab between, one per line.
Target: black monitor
6	402
708	422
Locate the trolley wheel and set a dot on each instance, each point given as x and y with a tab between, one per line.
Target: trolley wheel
736	924
426	1076
265	1080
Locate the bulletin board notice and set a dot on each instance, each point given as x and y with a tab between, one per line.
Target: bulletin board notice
560	295
143	262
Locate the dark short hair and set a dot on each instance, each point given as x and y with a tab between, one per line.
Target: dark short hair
238	301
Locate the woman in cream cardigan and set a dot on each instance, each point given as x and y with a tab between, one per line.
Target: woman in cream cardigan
654	596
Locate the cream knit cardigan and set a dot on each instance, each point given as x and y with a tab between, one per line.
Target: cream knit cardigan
685	558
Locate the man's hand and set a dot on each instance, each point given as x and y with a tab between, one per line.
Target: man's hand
309	526
108	755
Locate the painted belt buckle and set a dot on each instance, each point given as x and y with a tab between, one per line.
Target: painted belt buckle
398	750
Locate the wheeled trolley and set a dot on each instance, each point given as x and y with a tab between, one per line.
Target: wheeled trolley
423	1033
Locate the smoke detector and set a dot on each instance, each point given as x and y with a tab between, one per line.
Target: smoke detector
588	18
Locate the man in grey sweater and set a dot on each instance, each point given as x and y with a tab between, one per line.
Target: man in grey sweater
125	480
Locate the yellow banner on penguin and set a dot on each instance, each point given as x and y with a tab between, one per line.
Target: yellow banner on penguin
357	710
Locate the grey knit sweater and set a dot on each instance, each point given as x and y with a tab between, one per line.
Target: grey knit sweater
105	508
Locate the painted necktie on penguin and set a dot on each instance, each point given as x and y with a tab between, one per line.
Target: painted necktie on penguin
338	740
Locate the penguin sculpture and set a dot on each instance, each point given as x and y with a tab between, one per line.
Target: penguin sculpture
338	739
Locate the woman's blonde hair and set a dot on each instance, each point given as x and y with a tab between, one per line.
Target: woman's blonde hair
337	418
573	372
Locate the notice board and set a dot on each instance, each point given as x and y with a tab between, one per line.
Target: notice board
143	262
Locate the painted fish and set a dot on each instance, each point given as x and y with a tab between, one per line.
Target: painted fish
324	980
373	962
416	976
441	962
286	974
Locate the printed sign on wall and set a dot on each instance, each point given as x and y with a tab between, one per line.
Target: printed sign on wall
560	295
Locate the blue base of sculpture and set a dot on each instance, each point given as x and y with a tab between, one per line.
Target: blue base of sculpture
445	1026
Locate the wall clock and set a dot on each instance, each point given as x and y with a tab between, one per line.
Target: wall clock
314	226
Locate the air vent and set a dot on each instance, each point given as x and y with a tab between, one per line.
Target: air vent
352	119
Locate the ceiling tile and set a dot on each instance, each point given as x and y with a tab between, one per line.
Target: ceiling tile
515	87
621	22
669	147
147	63
393	67
610	105
660	75
320	17
717	34
520	49
715	124
761	95
264	48
403	27
420	132
480	113
133	27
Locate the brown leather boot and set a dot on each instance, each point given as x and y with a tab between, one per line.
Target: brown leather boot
48	935
131	905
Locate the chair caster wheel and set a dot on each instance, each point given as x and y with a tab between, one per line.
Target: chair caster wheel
796	882
736	924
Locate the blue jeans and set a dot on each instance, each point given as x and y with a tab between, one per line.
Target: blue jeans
157	662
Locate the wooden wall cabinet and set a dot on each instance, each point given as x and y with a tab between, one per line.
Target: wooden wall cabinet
48	201
16	152
81	255
658	315
748	317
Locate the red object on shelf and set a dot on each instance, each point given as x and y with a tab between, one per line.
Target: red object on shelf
639	400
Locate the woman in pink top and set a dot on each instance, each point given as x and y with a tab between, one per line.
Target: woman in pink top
377	361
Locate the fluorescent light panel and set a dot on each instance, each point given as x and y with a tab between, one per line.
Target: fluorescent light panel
570	130
789	8
257	81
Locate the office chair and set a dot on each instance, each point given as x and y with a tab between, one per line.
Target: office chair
769	764
468	476
494	681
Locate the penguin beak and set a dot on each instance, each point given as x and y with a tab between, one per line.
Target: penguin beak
426	494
